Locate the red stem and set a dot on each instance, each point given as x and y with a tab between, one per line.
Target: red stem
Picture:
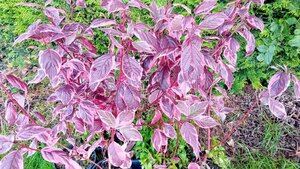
241	121
17	104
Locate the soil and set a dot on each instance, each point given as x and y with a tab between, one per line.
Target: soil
251	133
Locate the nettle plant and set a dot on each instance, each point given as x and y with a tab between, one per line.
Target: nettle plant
176	66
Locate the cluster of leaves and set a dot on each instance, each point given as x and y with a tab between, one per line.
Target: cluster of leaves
175	65
278	44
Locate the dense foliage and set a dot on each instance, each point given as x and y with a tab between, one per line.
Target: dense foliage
182	65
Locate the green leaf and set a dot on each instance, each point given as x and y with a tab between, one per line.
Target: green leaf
297	32
291	21
295	42
268	57
262	48
260	57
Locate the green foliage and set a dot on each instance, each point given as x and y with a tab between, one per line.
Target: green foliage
37	161
218	155
255	160
278	44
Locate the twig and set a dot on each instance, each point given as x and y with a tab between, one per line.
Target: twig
241	121
17	104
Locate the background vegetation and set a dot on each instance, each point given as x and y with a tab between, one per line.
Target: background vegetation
278	44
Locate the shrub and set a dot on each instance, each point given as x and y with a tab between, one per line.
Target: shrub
174	66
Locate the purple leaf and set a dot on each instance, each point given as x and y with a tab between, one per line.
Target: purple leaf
277	108
102	22
205	122
260	2
169	130
6	143
117	156
136	3
100	69
81	3
131	134
131	68
213	21
163	78
38	77
124	118
32	145
296	86
194	166
231	47
13	160
159	140
205	7
85	112
156	117
88	44
79	125
191	55
189	134
28	4
29	132
113	5
65	94
264	97
16	82
58	156
127	97
143	46
107	118
50	61
54	14
250	39
278	84
169	108
226	74
255	22
11	113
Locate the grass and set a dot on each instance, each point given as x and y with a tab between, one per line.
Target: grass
256	160
36	161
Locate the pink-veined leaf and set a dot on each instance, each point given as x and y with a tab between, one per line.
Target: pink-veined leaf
6	143
20	99
28	33
117	156
85	112
169	108
213	21
296	86
189	134
102	22
16	82
113	5
264	97
131	134
156	117
65	94
38	77
131	68
54	14
255	22
107	118
169	130
205	7
163	78
79	125
277	108
159	140
100	69
230	51
50	61
128	97
33	145
13	160
11	113
278	84
250	39
88	44
191	55
124	118
226	74
29	132
143	46
58	156
205	122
